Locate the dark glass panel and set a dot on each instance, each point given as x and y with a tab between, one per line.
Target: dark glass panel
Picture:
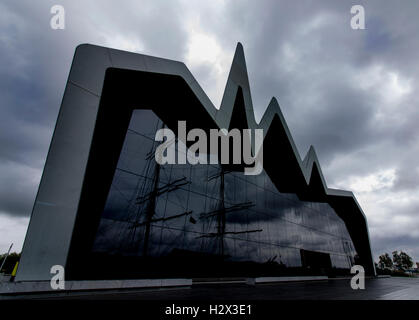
200	220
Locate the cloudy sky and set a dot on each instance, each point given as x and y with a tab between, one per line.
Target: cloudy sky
350	93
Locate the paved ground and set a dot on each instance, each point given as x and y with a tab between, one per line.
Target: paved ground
375	289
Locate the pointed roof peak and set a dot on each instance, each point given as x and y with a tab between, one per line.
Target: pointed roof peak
274	101
239	58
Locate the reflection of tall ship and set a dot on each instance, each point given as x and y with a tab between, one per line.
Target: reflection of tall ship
136	234
220	215
142	214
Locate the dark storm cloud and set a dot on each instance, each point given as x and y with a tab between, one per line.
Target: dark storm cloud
35	64
352	94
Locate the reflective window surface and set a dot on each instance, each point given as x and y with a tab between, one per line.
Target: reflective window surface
201	220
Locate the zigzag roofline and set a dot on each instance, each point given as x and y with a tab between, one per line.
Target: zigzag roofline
238	77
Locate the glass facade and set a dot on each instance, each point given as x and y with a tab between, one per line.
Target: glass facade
205	221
